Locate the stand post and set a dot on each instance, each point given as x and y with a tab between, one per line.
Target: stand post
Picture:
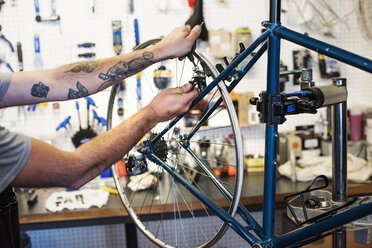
339	159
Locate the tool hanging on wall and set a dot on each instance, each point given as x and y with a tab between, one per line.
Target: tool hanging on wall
87	55
3	38
38	60
130	7
138	75
116	34
90	102
86	45
21	109
101	122
82	135
2	60
89	45
120	101
162	77
77	106
66	125
118	47
328	68
20	56
52	18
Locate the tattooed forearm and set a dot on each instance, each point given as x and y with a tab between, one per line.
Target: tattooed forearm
82	91
39	90
83	67
125	69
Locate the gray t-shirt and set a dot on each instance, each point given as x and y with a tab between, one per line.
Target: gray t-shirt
14	147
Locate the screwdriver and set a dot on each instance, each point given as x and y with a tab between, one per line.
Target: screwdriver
189	55
86	44
20	56
138	75
89	102
86	55
78	111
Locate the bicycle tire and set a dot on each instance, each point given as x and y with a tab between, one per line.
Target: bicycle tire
127	198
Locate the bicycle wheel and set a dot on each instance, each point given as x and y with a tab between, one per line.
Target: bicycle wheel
161	207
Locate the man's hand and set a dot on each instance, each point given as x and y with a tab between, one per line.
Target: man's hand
178	42
171	102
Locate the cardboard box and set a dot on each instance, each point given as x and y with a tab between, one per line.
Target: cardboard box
220	43
244	107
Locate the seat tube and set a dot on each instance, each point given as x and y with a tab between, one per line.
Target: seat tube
271	138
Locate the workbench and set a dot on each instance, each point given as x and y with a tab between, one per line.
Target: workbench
37	217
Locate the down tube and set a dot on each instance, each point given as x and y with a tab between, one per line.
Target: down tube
271	139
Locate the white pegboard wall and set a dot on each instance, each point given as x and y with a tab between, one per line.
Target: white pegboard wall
157	18
80	237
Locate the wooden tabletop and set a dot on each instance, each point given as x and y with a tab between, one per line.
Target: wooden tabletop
252	196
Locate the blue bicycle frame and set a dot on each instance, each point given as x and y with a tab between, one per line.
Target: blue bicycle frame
269	41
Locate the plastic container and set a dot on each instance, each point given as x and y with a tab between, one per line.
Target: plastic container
355	124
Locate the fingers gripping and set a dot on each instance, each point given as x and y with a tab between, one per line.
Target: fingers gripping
194	33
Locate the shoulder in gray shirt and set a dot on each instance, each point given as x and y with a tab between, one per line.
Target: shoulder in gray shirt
14	147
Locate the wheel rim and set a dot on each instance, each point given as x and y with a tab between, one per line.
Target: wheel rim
158	201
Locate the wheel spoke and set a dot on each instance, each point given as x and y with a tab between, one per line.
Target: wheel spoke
165	200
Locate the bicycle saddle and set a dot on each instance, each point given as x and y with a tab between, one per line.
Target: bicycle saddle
197	18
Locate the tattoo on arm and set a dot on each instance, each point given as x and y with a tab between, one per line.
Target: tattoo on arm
84	67
82	91
39	90
126	69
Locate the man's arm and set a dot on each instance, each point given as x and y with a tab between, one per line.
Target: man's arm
49	166
84	78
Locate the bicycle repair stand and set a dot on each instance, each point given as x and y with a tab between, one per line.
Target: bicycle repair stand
314	204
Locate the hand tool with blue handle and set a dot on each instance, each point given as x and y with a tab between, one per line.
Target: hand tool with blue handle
118	46
38	61
64	123
95	116
53	18
86	45
116	35
82	135
78	111
138	75
103	123
90	101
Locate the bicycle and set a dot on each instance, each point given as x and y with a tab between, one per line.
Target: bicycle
168	157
